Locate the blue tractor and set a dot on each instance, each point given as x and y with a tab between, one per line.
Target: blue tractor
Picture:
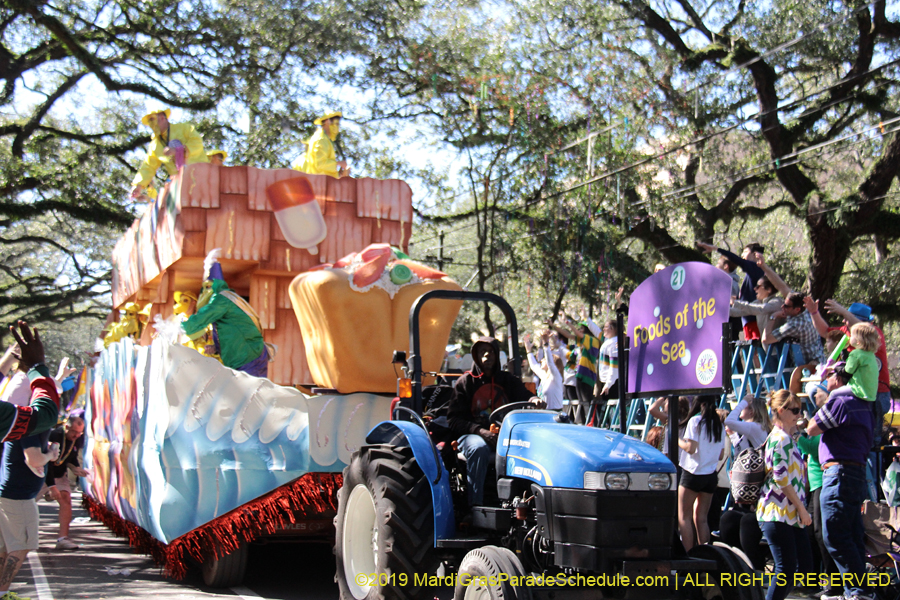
575	510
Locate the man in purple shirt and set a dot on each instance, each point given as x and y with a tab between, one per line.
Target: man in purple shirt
846	424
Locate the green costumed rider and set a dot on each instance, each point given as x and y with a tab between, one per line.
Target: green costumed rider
236	329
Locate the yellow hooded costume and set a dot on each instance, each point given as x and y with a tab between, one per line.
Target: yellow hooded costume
183	132
320	158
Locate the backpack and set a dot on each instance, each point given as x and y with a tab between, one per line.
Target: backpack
748	472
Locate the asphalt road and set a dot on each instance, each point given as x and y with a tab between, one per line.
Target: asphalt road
106	568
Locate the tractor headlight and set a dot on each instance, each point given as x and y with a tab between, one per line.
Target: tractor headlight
616	481
659	482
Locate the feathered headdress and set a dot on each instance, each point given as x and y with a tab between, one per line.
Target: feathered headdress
211	267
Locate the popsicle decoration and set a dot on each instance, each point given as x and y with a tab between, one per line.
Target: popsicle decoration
297	212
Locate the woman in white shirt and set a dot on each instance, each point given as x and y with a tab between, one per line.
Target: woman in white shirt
701	446
749	424
549	370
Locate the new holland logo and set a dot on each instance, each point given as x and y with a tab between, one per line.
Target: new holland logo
526	472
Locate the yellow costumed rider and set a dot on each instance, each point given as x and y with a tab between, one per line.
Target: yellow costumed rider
236	329
320	158
172	146
217	157
185	306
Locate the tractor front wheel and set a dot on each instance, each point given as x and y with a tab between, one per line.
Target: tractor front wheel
384	527
481	576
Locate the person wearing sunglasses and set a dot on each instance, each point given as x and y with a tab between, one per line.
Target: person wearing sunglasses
764	308
846	424
781	511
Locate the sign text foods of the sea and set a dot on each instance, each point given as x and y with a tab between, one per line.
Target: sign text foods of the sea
675	322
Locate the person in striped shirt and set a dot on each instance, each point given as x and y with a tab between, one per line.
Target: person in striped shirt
781	511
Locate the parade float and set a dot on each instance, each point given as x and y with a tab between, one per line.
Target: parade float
193	460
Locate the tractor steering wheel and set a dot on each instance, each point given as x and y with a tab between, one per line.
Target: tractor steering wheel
508	407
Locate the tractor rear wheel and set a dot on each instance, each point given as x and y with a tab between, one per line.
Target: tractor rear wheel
384	527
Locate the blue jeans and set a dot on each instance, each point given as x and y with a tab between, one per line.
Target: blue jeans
791	552
478	456
843	492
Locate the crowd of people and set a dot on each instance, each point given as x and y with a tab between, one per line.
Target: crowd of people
818	458
37	453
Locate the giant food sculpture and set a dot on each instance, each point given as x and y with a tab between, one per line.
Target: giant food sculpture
192	459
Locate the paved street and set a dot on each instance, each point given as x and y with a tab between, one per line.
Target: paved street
105	568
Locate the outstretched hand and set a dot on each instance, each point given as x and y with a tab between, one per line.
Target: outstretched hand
64	369
706	248
812	306
31	349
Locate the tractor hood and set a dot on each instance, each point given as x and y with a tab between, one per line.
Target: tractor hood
534	446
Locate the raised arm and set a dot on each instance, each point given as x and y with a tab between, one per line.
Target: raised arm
773	277
812	307
734	423
836	309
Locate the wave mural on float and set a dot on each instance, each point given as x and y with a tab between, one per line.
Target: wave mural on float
176	440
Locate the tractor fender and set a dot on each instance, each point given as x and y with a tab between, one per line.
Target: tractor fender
405	433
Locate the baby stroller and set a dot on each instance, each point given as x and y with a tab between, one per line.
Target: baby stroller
881	524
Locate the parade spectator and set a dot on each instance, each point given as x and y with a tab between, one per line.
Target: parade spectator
607	364
858	313
766	305
846	424
750	422
832	337
750	426
170	144
701	447
799	329
586	371
18	389
752	272
42	413
723	481
21	478
781	511
548	370
660	411
70	438
723	264
476	395
809	445
861	365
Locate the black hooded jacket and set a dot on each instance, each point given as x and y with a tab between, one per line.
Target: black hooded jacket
477	394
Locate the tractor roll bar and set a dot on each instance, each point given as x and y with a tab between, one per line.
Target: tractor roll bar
415	359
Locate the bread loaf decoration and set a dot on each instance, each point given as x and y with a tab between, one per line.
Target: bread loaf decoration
354	313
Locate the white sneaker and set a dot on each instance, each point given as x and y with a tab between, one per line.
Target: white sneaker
66	544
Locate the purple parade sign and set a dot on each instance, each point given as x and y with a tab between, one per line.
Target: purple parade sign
675	322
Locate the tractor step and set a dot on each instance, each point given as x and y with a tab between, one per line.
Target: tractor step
462	543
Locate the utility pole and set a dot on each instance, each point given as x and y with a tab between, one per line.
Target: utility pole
440	258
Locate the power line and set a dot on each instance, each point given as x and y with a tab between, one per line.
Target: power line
780	162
